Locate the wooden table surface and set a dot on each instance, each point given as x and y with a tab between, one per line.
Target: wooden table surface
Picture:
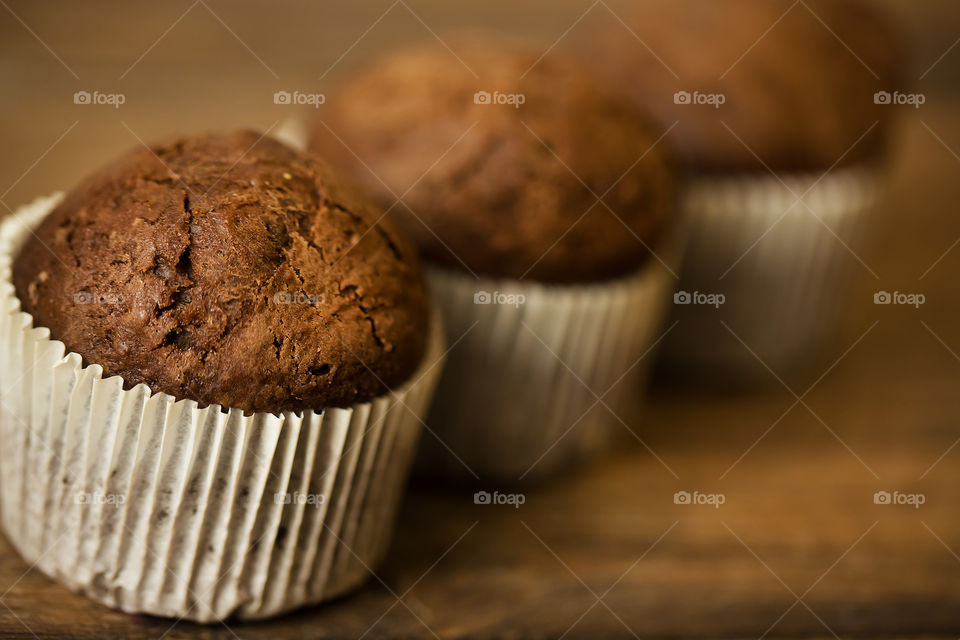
799	548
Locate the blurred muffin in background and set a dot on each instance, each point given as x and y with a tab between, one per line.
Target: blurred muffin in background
782	114
797	80
542	203
496	187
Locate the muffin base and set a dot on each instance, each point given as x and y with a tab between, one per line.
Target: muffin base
153	505
783	295
518	400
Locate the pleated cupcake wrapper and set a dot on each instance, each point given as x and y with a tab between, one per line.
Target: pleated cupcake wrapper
155	506
782	296
292	132
518	399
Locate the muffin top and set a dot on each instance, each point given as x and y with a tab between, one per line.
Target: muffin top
797	79
231	270
503	176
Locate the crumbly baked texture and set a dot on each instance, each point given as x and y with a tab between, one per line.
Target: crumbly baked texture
232	270
500	189
799	78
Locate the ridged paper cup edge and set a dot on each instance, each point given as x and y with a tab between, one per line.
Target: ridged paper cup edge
780	281
518	399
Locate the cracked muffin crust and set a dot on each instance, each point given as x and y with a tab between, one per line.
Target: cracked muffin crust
228	269
503	189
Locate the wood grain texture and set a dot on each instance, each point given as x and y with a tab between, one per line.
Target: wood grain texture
798	548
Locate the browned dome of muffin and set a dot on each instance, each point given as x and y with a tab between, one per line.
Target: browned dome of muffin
232	270
498	188
798	78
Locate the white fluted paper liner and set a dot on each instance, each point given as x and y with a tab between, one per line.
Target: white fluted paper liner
293	133
519	395
783	283
152	505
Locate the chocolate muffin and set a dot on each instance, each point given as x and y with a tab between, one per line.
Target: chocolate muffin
231	270
797	80
500	176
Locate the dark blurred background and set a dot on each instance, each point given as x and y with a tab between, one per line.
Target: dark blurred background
799	547
186	66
